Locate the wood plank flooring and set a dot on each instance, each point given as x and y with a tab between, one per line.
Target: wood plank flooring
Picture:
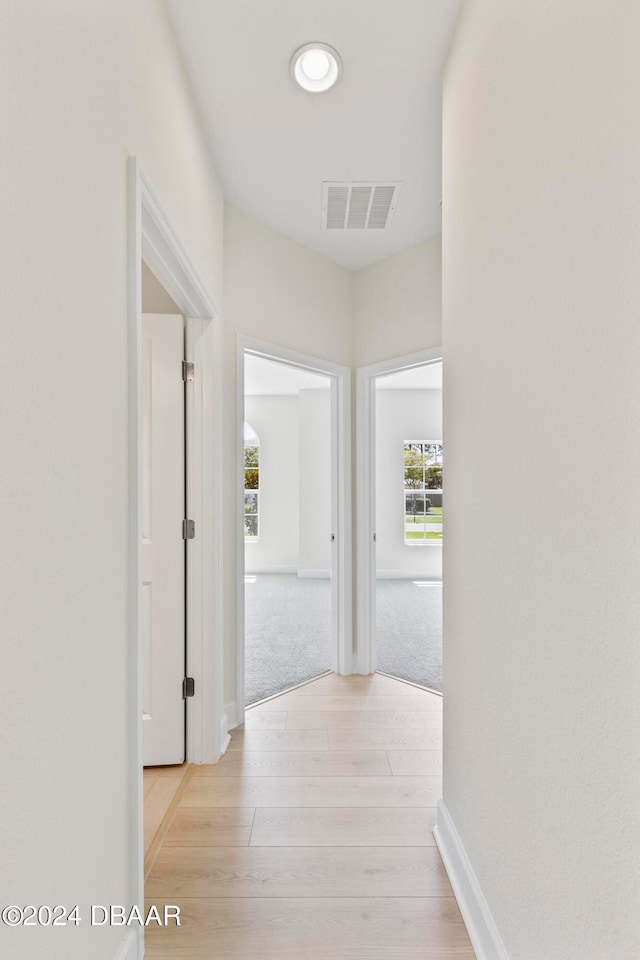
160	786
312	836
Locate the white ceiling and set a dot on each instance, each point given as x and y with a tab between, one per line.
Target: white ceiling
274	144
417	378
264	378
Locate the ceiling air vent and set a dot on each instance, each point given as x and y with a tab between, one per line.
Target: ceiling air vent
358	206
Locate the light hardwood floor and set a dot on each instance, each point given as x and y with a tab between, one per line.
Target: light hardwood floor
160	787
311	839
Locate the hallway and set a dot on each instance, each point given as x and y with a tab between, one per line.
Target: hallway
312	836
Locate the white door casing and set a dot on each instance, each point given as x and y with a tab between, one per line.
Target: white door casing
162	547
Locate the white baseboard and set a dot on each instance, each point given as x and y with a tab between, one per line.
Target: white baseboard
303	574
132	947
479	922
360	663
225	739
231	714
402	575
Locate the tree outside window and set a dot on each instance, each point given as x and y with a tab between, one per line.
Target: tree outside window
422	492
251	483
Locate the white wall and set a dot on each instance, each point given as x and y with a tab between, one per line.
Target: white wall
276	420
84	85
402	416
155	298
315	483
279	291
542	343
295	483
398	304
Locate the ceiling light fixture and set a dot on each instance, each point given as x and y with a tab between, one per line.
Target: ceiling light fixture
316	67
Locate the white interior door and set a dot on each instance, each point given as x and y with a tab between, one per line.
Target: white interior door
163	567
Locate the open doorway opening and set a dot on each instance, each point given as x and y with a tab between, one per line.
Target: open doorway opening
400	517
163	551
294	574
409	523
288	526
165	291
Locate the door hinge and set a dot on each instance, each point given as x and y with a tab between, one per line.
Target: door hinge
188	529
188	371
188	687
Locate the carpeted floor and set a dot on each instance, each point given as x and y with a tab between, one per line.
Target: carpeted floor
409	624
288	632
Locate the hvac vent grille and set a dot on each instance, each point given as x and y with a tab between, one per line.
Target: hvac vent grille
358	206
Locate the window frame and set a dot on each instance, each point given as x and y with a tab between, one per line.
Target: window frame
422	490
253	444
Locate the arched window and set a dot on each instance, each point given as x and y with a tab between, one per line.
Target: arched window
251	483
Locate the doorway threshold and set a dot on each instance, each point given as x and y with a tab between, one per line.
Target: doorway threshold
296	686
410	683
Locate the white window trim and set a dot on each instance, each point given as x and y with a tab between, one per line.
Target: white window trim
424	542
254	490
256	515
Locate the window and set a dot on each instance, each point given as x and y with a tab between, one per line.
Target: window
422	492
251	483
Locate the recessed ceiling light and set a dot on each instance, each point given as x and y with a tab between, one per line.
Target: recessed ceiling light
316	67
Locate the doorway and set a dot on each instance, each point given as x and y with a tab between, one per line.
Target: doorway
294	613
163	543
409	524
163	552
153	241
288	526
400	511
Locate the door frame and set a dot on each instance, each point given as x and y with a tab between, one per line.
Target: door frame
152	238
366	659
342	586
